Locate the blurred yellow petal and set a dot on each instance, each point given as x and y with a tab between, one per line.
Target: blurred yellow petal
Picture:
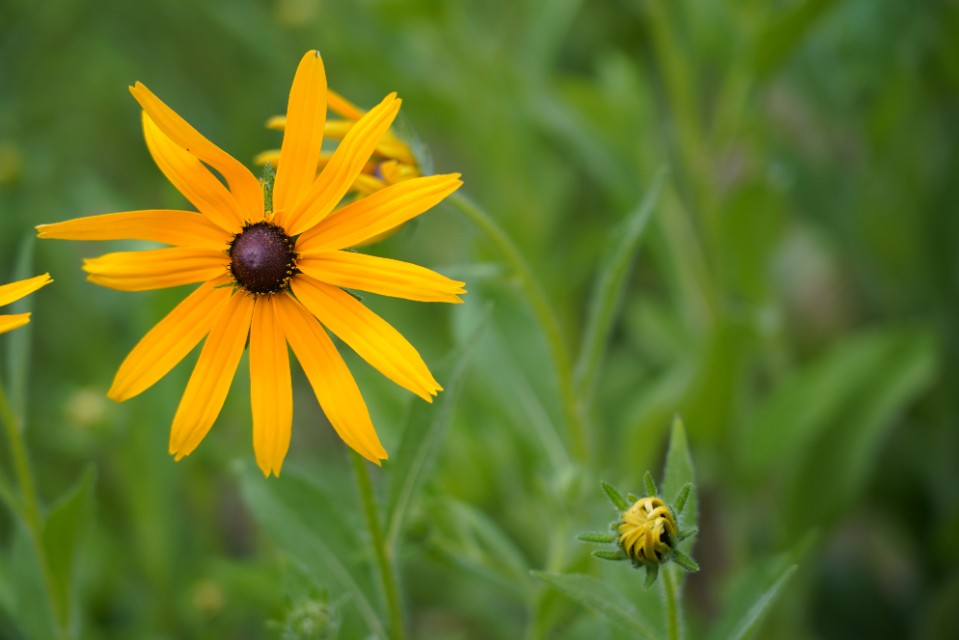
212	376
243	185
15	321
382	276
193	179
303	137
179	228
342	107
271	392
332	382
377	213
16	290
270	157
170	340
155	269
337	177
369	335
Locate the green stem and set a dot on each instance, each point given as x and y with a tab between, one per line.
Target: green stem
30	507
674	630
544	315
381	552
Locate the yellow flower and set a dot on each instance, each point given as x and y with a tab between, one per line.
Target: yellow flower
13	292
275	277
647	531
392	160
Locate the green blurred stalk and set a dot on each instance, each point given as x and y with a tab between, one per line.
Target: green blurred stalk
30	509
381	552
544	314
674	629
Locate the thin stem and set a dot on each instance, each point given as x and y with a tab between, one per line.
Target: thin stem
30	507
544	314
674	630
381	553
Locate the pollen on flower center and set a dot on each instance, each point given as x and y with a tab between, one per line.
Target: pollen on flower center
262	258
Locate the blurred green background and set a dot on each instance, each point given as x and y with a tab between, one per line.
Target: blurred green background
794	297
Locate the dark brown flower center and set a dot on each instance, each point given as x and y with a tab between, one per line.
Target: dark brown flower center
262	258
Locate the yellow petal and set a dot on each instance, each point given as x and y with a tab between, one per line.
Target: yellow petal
243	185
382	276
337	177
270	157
16	290
179	228
271	392
155	269
212	376
193	179
343	107
377	213
170	340
369	335
303	137
11	322
332	382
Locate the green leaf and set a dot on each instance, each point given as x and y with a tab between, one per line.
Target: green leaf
678	472
63	535
785	33
305	521
615	496
600	597
901	365
607	294
18	342
416	453
752	594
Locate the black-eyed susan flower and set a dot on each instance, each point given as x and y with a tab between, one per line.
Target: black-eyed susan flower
647	531
275	265
14	291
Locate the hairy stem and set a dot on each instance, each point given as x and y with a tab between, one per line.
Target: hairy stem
29	508
674	630
381	553
544	315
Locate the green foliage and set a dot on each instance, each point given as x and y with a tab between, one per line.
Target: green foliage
743	213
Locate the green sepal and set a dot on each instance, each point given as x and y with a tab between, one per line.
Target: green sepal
609	555
684	561
650	485
596	536
632	497
682	497
652	572
685	533
615	496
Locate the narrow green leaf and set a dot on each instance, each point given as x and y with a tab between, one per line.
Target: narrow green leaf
679	471
416	453
607	293
305	521
615	496
684	561
650	485
605	554
784	34
63	535
602	598
18	342
596	536
683	496
902	366
652	572
746	611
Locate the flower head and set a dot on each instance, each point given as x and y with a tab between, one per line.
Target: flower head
647	532
13	292
274	272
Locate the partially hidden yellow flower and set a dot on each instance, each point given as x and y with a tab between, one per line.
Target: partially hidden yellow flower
647	531
274	275
392	160
14	291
